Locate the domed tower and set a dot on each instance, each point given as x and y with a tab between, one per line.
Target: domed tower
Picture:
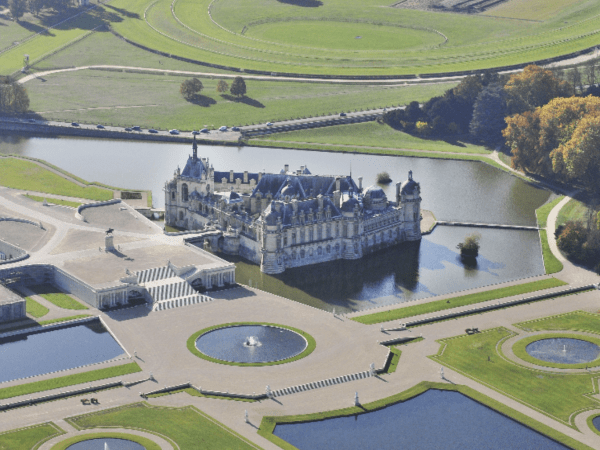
375	199
408	196
270	221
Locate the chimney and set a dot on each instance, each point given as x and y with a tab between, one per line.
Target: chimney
360	183
231	176
245	176
260	174
286	168
337	184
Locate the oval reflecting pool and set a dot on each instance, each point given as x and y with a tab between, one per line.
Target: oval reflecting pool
596	422
563	350
251	344
433	420
111	443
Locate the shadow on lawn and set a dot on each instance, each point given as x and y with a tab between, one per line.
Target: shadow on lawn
246	100
303	3
202	100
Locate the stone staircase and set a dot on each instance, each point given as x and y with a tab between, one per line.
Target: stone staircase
321	383
167	290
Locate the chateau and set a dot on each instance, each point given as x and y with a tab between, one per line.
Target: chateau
292	218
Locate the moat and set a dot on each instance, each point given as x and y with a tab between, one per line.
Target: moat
454	190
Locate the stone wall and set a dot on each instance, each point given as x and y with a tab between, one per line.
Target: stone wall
10	253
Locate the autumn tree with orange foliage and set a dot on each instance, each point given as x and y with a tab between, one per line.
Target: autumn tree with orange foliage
559	139
534	87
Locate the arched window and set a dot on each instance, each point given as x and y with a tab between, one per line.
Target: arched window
180	215
173	195
184	192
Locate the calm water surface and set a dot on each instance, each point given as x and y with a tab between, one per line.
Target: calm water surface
113	444
433	420
228	344
36	353
596	422
563	350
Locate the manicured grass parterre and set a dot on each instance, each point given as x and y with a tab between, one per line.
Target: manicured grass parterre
372	134
26	175
55	296
591	424
69	380
191	344
55	201
146	443
574	321
34	309
454	302
30	437
187	427
558	395
520	351
269	423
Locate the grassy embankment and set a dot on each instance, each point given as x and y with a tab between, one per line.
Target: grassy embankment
575	210
194	393
454	302
69	380
185	427
558	395
35	309
54	296
154	101
551	263
30	437
55	201
268	423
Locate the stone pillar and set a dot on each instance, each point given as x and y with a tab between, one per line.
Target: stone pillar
108	243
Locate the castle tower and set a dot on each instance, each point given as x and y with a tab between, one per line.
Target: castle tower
408	196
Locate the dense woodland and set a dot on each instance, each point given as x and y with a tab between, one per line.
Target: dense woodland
19	7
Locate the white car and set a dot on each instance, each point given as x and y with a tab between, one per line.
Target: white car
223	128
174	131
269	124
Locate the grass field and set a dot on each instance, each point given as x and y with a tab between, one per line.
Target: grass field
573	210
189	428
68	380
551	263
26	175
147	444
28	438
35	309
56	297
558	395
454	302
372	134
530	9
154	100
573	321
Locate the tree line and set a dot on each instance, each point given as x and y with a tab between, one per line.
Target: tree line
191	88
13	96
19	7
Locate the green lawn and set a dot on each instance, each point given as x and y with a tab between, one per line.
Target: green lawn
371	134
26	175
55	201
53	295
575	321
69	380
543	211
28	438
558	395
573	210
147	444
62	319
551	263
154	101
463	300
35	309
188	427
396	353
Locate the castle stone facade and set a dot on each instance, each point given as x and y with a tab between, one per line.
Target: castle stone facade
292	218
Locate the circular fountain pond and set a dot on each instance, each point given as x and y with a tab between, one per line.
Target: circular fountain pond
104	443
251	343
596	423
563	350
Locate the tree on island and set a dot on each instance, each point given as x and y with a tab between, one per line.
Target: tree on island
222	86
238	87
383	178
470	247
190	88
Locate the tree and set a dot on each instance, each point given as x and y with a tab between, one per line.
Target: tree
572	238
469	88
470	247
488	114
13	97
17	8
190	88
522	136
238	87
532	88
590	72
222	86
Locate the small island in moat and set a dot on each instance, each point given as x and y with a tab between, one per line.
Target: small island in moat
470	247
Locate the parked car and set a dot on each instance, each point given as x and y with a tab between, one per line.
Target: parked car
269	124
74	124
152	130
136	128
174	131
204	130
342	114
235	129
128	129
195	132
100	127
223	128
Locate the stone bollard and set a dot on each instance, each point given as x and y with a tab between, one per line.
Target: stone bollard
246	416
356	402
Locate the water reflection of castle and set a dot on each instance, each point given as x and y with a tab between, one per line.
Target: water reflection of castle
290	219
